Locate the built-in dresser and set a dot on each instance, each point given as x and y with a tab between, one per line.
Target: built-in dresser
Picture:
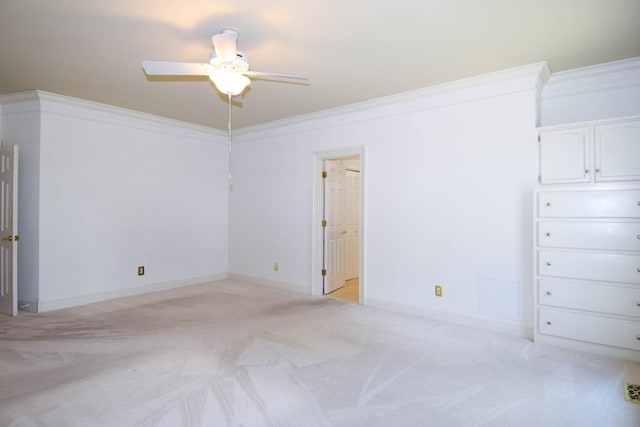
587	237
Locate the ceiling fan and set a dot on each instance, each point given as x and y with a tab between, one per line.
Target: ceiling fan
228	68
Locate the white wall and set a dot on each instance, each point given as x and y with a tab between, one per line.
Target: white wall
591	93
449	174
448	171
119	189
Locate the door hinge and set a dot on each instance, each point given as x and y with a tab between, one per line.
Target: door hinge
539	139
324	222
539	178
324	174
324	272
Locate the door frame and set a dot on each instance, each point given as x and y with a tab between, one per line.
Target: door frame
317	215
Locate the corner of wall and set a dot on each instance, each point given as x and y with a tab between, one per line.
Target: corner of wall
543	78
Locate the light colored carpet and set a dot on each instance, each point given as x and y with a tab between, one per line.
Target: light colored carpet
234	354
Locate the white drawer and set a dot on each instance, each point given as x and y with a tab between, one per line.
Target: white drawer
591	328
601	297
590	266
589	204
590	235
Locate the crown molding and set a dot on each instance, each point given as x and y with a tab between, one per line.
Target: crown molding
611	75
501	83
20	102
51	103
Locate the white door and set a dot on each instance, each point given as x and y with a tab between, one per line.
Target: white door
9	230
335	229
352	224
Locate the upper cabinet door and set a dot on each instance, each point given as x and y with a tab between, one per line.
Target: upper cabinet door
617	151
565	156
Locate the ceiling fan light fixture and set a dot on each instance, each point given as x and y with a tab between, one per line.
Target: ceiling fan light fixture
229	83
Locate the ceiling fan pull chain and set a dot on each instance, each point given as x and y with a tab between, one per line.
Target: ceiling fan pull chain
229	145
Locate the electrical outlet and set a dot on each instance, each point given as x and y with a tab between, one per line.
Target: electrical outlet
438	290
276	267
141	270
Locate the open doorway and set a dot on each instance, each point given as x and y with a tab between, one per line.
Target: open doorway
338	253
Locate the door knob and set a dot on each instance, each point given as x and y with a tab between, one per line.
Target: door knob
344	231
9	238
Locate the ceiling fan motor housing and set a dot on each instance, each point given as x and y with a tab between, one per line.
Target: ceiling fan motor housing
239	64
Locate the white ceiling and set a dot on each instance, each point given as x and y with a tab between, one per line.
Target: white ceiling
353	50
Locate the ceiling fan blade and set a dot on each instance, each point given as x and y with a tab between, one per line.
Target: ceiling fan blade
276	76
225	45
164	68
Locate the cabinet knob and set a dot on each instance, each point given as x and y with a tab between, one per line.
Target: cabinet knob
549	293
597	170
587	171
638	303
549	323
638	337
549	235
638	236
548	263
549	203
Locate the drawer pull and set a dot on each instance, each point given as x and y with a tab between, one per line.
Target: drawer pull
549	323
638	337
549	293
638	236
549	264
549	203
638	303
549	235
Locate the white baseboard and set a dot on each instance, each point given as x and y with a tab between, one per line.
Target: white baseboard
456	319
42	306
29	306
272	283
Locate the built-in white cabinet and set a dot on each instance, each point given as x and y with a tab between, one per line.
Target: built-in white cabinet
593	152
617	151
565	156
587	237
587	267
